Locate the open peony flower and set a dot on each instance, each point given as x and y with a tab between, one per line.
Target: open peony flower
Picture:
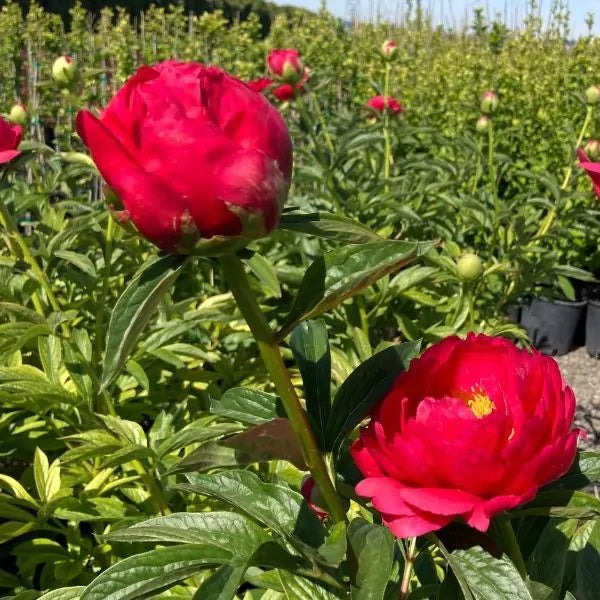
10	138
381	103
191	153
474	427
591	168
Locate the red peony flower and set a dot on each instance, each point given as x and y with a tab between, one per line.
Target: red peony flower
259	85
381	103
591	168
313	497
10	138
286	65
474	427
191	153
286	92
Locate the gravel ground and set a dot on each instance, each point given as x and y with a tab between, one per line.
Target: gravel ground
582	373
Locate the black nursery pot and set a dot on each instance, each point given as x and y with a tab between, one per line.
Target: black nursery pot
592	328
551	325
513	311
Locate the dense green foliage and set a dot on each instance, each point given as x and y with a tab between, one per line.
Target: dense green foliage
99	425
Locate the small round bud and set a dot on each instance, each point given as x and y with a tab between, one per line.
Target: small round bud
469	267
483	124
389	49
592	149
286	65
489	103
313	497
18	114
63	70
592	94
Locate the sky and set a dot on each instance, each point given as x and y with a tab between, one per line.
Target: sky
454	11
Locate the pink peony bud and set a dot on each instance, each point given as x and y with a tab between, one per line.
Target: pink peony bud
389	49
489	103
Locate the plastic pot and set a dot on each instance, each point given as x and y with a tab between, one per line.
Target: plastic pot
513	311
551	325
592	329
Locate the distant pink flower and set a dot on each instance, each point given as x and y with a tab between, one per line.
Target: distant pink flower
591	168
381	103
10	138
286	65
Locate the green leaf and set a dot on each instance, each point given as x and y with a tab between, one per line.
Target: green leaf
490	578
332	227
560	503
310	346
134	309
265	273
334	549
211	456
546	564
344	272
588	567
46	476
69	593
151	572
278	507
82	262
248	406
274	440
584	471
371	558
301	588
192	435
222	584
365	386
234	532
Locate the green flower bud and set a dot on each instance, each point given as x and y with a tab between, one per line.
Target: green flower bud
18	114
469	267
63	70
489	103
483	124
389	49
592	94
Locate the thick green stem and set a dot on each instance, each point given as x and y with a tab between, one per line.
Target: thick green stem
510	543
322	122
108	247
409	563
386	125
491	163
547	223
237	280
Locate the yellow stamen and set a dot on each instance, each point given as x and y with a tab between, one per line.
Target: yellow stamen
478	401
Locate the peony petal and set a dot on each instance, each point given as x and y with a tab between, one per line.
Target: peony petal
155	209
439	501
413	526
8	155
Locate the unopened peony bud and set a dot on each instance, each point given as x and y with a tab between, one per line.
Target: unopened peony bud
18	114
489	103
483	124
469	267
219	177
592	149
389	49
286	65
592	94
313	497
63	70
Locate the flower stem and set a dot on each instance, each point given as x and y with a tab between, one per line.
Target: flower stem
108	246
237	280
386	125
409	563
547	223
510	543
